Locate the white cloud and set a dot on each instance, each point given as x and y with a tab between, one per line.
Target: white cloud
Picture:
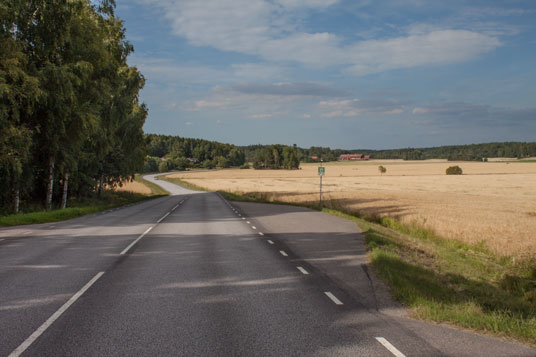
474	113
358	107
437	47
261	116
265	29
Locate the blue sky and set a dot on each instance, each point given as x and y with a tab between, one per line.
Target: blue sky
345	74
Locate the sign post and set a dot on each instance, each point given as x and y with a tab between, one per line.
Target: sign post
321	173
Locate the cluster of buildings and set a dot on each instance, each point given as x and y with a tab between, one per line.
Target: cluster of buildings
350	157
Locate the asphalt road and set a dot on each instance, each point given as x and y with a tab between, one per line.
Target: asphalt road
194	275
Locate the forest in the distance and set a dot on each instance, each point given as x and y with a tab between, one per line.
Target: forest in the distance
167	153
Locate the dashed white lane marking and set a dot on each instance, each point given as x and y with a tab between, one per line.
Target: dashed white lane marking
248	222
283	253
333	298
239	215
305	272
271	242
174	208
27	232
161	219
261	234
136	241
34	336
253	227
243	218
390	347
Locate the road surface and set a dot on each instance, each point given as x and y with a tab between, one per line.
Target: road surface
192	274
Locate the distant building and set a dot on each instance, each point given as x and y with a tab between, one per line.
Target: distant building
351	157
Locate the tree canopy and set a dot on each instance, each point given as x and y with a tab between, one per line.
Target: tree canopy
69	108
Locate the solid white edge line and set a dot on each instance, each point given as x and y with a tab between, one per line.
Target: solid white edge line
34	336
333	298
136	241
304	272
161	219
390	347
269	241
283	253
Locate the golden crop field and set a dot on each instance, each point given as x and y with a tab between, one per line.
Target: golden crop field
493	202
135	187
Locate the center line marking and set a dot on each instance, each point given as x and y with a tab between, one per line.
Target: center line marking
161	219
34	336
390	347
136	241
305	272
333	298
283	253
269	241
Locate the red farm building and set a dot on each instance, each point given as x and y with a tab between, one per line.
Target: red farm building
350	157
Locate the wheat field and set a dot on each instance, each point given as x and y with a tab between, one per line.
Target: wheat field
493	202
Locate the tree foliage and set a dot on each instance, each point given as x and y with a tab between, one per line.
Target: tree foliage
454	170
184	153
474	152
69	109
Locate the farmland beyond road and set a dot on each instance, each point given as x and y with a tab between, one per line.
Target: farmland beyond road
193	274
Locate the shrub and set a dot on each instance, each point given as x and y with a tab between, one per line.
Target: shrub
245	166
454	170
382	170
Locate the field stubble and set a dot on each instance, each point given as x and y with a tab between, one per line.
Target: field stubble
493	203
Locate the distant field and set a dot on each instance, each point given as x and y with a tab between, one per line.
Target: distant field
493	202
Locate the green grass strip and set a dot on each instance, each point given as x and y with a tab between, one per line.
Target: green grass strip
81	207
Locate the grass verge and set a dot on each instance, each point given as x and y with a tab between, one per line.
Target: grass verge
81	207
182	183
443	280
155	189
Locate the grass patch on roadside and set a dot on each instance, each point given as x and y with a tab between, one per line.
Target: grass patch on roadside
182	183
444	280
78	207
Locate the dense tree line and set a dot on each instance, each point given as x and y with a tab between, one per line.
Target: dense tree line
474	152
70	117
276	157
167	153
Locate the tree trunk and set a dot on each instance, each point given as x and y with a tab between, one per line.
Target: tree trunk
65	190
50	184
101	184
16	200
